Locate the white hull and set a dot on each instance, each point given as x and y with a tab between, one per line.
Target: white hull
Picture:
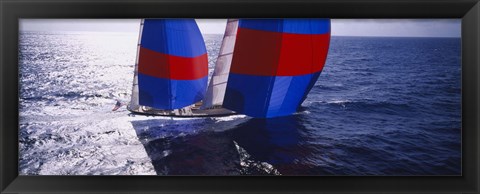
189	111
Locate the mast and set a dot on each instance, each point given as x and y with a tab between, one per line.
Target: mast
218	83
134	104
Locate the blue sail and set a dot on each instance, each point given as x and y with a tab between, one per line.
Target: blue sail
172	64
275	64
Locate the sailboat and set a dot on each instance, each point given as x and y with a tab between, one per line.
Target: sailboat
265	67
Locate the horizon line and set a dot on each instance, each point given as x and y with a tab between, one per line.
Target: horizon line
128	32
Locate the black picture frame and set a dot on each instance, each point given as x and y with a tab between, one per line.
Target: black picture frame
12	10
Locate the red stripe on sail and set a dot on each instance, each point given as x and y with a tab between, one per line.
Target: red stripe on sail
279	54
256	52
302	54
161	65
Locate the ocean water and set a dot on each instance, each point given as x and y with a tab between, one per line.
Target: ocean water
382	106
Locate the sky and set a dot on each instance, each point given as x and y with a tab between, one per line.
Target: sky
339	27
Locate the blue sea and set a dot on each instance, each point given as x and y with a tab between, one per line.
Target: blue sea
382	106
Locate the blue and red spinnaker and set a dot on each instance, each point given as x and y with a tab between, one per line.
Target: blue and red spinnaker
275	64
172	64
